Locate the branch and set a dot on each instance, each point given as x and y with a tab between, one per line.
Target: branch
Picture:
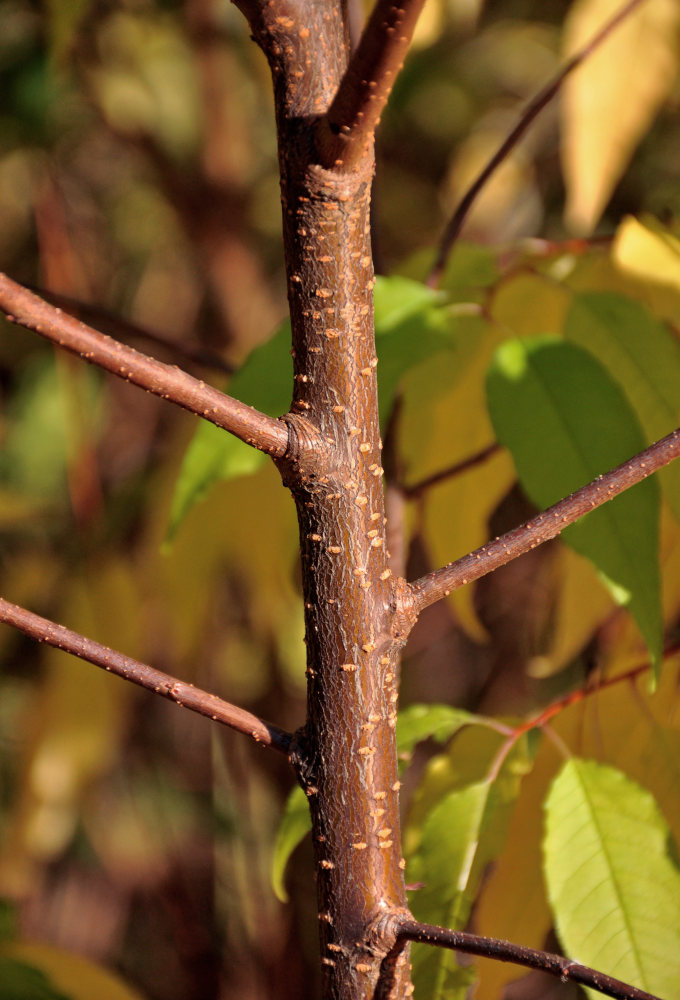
184	695
531	112
438	584
503	951
21	306
346	130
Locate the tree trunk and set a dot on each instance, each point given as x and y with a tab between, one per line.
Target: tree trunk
346	753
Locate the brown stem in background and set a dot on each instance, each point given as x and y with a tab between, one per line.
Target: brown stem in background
183	694
21	306
550	523
409	929
416	490
118	327
346	131
531	112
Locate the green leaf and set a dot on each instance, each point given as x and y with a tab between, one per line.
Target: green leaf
21	981
438	722
643	356
294	825
214	454
614	889
460	835
565	422
410	326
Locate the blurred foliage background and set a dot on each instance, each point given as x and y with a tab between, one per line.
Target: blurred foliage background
138	180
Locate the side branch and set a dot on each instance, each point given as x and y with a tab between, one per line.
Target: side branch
184	695
504	951
347	130
438	584
21	306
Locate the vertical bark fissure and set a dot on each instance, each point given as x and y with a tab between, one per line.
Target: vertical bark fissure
346	752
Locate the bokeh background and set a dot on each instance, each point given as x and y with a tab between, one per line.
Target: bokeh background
138	181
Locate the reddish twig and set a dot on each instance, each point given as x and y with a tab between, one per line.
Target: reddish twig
417	489
409	929
347	129
21	306
439	584
531	112
183	694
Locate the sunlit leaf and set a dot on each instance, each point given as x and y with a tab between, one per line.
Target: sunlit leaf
613	887
643	356
648	252
295	824
566	421
610	101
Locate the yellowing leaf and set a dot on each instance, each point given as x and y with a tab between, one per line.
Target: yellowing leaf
610	101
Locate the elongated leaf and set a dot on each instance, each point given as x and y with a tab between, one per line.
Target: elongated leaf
566	422
460	835
644	358
613	887
611	100
295	824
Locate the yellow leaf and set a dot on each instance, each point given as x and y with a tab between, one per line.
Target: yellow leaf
582	605
549	304
650	254
609	102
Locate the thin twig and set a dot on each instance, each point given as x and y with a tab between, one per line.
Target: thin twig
504	951
347	130
550	523
183	694
533	109
416	490
21	306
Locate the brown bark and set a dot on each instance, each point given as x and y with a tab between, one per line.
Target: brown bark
328	450
346	752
